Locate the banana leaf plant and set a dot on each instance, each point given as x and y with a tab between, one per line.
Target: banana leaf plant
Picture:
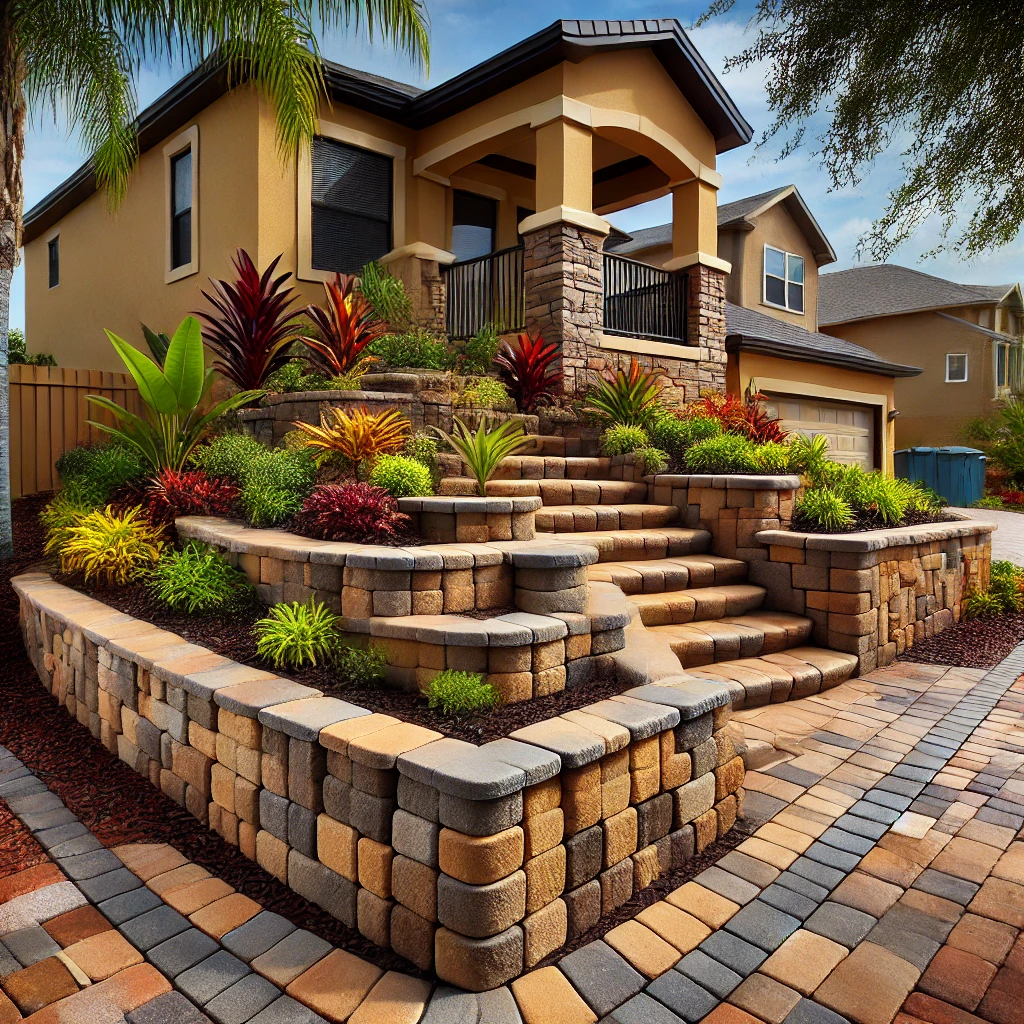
172	424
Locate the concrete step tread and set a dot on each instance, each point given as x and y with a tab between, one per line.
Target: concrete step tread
554	492
542	463
757	635
598	518
642	543
698	604
656	575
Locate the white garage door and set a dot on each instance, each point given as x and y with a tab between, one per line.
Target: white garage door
850	428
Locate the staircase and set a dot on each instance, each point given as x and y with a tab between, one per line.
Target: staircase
689	608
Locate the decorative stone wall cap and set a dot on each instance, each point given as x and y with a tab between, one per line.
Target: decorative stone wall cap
577	623
539	765
690	697
565	215
146	649
338	736
381	748
249	699
455	630
251	415
206	683
742	481
283	397
304	718
554	556
575	745
176	669
478	775
616	737
481	554
391	559
876	540
420	764
607	607
545	628
640	717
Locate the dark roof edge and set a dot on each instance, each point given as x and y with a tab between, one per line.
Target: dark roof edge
901	312
785	350
812	230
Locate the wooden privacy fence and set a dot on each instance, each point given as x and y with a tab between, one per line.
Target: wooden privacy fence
48	416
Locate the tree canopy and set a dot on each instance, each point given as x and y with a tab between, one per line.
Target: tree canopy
941	81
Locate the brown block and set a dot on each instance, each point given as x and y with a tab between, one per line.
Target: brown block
222	786
616	885
646	867
706	829
414	885
581	797
728	778
412	937
545	878
545	796
375	867
246	731
373	917
337	847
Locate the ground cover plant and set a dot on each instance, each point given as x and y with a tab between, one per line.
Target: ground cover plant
1004	594
197	580
416	348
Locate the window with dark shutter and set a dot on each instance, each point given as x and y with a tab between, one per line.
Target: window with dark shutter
352	208
474	219
53	258
181	209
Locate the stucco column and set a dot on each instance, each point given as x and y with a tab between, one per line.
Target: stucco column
563	251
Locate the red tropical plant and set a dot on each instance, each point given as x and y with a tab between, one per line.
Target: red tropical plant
252	327
528	369
188	493
355	512
746	415
344	327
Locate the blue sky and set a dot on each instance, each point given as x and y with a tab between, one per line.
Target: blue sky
466	32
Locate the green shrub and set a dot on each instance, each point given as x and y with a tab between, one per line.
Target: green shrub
387	295
479	351
423	448
358	666
265	505
228	455
650	460
826	510
726	453
621	439
112	547
417	348
295	376
482	450
772	458
876	495
486	393
460	693
990	501
197	580
294	635
673	435
981	603
94	472
1006	582
402	477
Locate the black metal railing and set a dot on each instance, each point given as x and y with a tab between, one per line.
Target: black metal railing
641	301
486	290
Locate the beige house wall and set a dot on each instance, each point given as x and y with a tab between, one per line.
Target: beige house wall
931	411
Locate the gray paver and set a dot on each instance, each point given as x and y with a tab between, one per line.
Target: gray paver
762	925
30	945
295	953
242	1001
87	865
498	1006
683	996
451	1006
707	972
602	977
170	1008
840	924
789	902
131	904
257	935
209	978
285	1010
808	1012
737	954
154	927
181	952
112	883
642	1009
949	887
726	884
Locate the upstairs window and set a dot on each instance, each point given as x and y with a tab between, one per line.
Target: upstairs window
474	224
956	367
1002	365
351	219
53	260
181	209
783	279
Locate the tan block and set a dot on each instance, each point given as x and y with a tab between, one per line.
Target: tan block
614	765
726	810
356	603
412	937
226	748
646	867
193	766
395	999
480	860
511	687
204	740
706	829
577	646
644	783
581	798
247	800
728	778
432	656
675	926
707	906
548	655
247	834
248	764
615	795
222	786
227	827
543	832
551	680
545	878
426	579
648	952
644	753
466	659
544	931
274	774
545	995
676	769
246	731
545	796
272	855
509	659
400	653
414	885
459	599
337	846
620	836
375	867
427	602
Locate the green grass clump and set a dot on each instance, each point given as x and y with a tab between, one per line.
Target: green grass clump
460	693
93	472
198	581
989	501
402	477
620	439
673	435
726	453
826	510
363	667
773	458
295	635
417	348
651	460
64	511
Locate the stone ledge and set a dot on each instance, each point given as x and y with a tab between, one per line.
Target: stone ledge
742	481
280	398
876	540
455	504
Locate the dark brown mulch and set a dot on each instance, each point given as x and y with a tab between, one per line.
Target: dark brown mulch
232	637
867	521
978	643
18	850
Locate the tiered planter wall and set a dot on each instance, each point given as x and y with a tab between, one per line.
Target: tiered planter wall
874	594
474	861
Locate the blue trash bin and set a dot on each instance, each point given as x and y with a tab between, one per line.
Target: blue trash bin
955	472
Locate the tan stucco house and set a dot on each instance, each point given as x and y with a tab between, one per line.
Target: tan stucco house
966	339
817	383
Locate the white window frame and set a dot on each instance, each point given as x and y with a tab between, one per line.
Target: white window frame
187	140
785	281
966	376
1002	346
330	130
53	234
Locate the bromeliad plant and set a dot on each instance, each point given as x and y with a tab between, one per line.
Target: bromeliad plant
173	424
482	450
529	370
344	327
629	398
358	436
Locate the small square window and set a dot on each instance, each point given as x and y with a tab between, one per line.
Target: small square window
53	261
956	368
783	279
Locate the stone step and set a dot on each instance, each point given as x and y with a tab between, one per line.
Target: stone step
657	575
554	492
543	467
588	518
730	638
799	672
679	607
650	543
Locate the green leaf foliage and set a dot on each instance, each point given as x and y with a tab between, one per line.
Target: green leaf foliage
423	448
479	351
94	472
416	348
387	295
365	667
1004	594
773	458
826	510
724	453
197	580
401	476
295	635
620	439
460	693
651	460
483	449
673	435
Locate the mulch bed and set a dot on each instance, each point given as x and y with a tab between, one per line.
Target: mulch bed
868	521
18	850
978	643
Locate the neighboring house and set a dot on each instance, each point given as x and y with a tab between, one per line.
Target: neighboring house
966	338
816	383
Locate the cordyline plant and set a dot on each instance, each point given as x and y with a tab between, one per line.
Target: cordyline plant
358	436
626	397
356	512
747	416
252	327
344	327
482	450
529	370
173	424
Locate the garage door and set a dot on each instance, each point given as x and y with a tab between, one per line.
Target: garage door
850	428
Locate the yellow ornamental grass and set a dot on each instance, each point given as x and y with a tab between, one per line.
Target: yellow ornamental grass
359	435
112	547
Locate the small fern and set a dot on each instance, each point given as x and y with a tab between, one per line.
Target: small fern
294	635
460	693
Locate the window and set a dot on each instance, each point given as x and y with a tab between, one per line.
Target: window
1002	363
181	209
956	368
53	260
351	206
783	279
474	219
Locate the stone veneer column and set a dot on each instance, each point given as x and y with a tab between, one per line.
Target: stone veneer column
705	326
564	295
424	284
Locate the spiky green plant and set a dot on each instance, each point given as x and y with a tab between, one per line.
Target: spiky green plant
631	397
113	548
651	460
197	580
481	450
773	458
295	635
809	455
826	510
460	693
673	435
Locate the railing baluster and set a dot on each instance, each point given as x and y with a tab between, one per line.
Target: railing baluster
643	301
486	290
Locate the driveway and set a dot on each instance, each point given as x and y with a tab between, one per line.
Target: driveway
1008	540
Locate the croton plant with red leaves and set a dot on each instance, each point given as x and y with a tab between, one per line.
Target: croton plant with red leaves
354	512
188	493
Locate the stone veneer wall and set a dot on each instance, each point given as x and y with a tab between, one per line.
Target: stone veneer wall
476	862
875	594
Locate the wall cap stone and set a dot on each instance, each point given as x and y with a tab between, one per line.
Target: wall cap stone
876	540
742	481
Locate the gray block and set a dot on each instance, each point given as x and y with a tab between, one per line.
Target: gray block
295	953
49	838
338	799
88	865
694	731
948	887
170	1008
415	837
130	904
841	924
641	718
479	817
83	844
274	814
683	996
583	907
375	781
285	1010
642	1009
210	977
802	885
113	883
418	798
833	857
30	945
498	1006
691	698
602	977
789	902
322	886
257	935
371	816
154	927
451	1006
694	799
705	758
481	911
8	965
654	819
242	1001
539	764
809	1012
607	641
478	776
584	854
750	869
183	951
707	972
762	925
302	829
737	954
821	874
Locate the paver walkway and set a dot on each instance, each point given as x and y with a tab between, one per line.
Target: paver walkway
886	882
1008	540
